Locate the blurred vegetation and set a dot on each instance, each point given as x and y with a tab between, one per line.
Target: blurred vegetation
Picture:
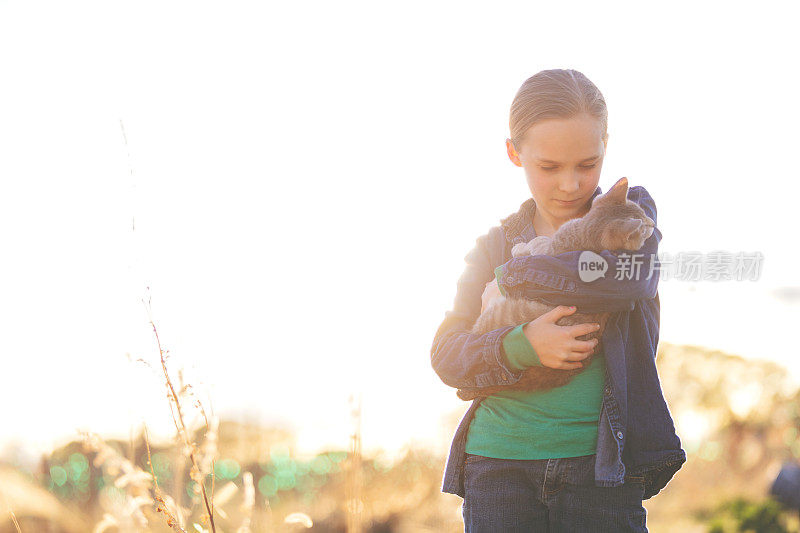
738	420
740	514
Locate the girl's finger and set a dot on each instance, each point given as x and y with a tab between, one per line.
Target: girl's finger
583	346
576	357
582	329
557	312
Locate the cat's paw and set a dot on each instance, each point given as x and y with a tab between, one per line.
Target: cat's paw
520	249
536	246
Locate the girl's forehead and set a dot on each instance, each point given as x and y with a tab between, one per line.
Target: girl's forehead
558	138
569	152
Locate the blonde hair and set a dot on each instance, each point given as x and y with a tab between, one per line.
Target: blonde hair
555	93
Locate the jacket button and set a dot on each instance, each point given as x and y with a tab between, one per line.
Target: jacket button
619	434
505	378
608	390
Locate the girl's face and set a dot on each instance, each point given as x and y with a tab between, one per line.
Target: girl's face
562	159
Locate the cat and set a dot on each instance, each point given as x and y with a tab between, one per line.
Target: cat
612	223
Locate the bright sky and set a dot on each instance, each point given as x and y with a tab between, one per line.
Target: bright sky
305	179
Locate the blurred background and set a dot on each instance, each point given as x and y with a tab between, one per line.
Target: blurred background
288	191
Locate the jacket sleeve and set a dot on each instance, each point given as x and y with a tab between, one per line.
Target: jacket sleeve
461	359
630	276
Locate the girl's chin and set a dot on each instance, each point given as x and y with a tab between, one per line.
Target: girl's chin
570	211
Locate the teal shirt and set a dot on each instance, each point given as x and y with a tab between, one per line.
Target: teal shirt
559	422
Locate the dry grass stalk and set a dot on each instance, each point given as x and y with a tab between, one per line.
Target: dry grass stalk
354	500
16	524
249	502
299	518
11	513
209	449
134	482
14	519
107	522
269	510
171	512
190	447
222	497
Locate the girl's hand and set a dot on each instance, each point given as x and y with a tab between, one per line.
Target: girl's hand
556	345
490	292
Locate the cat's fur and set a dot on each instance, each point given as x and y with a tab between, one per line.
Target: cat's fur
612	223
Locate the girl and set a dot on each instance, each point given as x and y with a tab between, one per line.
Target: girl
583	456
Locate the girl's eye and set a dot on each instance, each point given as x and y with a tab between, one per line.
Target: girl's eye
582	166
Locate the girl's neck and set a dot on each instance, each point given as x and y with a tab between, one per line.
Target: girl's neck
543	227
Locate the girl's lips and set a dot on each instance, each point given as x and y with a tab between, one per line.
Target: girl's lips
571	202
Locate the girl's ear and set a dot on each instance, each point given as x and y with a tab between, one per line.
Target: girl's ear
512	153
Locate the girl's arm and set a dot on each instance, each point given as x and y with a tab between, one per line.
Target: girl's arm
556	280
461	359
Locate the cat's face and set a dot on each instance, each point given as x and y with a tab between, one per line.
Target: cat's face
625	226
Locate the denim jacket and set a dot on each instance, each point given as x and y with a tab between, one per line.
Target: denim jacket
636	436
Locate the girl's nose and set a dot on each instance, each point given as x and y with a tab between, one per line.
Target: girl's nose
569	185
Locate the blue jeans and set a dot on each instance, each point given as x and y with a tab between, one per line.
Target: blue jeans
547	495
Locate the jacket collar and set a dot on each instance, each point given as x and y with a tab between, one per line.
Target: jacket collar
518	227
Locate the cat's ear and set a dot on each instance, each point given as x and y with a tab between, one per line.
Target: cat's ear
618	193
631	227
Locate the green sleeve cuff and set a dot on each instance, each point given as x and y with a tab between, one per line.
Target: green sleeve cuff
498	272
518	350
